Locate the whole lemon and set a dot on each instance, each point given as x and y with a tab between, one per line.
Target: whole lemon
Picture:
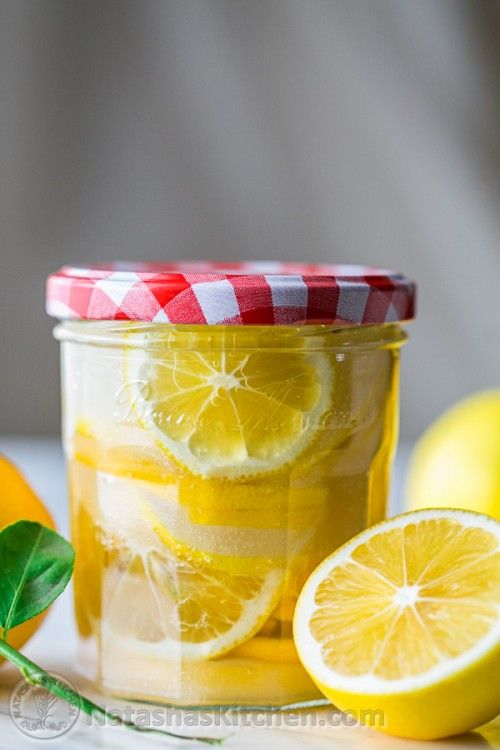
456	464
19	502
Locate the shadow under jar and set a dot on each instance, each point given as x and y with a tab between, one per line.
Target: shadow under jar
225	430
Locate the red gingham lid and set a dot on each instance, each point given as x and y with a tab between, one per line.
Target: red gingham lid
252	293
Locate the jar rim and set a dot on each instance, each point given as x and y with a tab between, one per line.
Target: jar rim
144	335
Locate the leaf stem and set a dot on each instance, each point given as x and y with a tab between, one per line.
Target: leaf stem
35	675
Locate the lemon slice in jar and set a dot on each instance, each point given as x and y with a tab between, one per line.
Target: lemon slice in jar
226	411
182	610
166	598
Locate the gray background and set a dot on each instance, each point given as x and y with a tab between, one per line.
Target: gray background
337	130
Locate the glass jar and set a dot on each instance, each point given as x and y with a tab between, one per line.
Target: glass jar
212	466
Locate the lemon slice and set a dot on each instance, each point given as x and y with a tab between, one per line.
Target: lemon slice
276	502
229	559
146	516
404	620
169	608
261	648
227	412
166	598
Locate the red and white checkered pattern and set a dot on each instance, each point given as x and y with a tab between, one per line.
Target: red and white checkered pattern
231	293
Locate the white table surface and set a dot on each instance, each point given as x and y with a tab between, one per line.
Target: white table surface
53	647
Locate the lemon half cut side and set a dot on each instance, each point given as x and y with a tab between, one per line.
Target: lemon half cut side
404	620
230	413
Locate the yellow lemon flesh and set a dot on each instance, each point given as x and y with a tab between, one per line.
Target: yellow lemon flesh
230	413
19	502
456	464
401	626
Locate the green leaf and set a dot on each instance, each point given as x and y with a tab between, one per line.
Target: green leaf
35	567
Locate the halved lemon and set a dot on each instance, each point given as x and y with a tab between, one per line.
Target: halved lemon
227	412
401	626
